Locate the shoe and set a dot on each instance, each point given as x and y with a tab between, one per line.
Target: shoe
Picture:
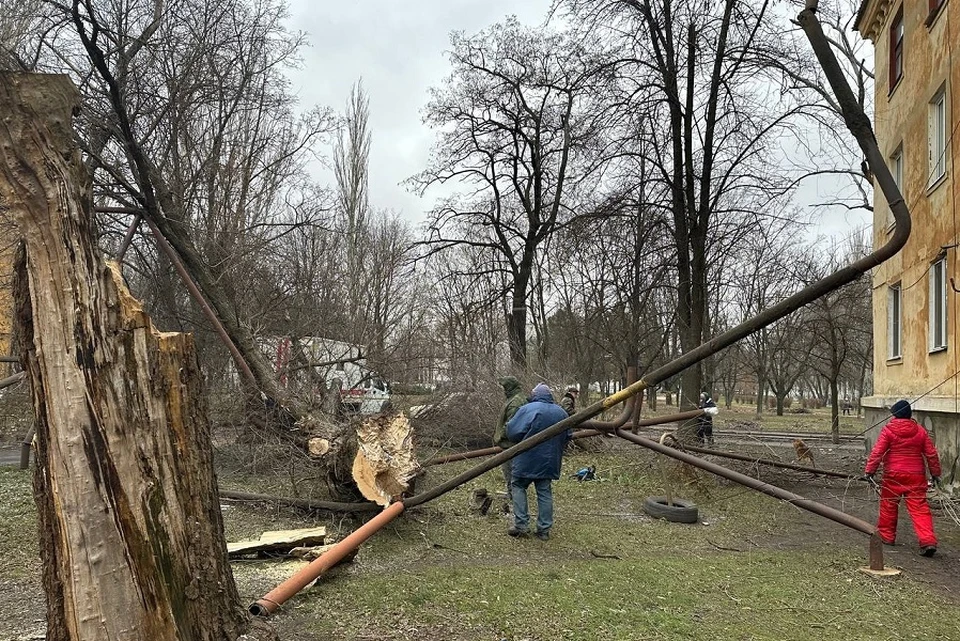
516	532
928	550
543	535
886	542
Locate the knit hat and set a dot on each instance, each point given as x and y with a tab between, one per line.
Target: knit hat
542	389
901	409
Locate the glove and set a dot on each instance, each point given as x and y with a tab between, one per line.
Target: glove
870	477
936	480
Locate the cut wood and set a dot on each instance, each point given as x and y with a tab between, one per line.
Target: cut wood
385	462
279	541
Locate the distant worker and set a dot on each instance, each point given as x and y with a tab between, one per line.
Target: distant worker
515	400
539	465
846	406
902	448
569	400
705	420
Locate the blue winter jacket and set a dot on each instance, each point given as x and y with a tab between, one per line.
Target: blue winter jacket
543	461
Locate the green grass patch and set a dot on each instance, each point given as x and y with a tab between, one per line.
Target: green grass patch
609	572
19	552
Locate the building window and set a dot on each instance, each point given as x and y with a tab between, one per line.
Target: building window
896	48
934	6
894	322
896	169
938	305
938	136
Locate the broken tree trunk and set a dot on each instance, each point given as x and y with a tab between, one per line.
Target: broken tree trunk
131	532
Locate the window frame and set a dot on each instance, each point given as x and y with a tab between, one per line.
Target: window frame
894	322
937	137
895	163
897	37
937	303
933	10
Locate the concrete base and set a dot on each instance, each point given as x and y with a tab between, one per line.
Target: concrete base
884	572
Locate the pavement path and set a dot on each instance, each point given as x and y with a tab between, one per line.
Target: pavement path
10	456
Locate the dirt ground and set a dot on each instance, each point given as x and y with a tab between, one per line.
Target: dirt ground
856	499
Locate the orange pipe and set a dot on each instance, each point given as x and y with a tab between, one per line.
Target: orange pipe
269	603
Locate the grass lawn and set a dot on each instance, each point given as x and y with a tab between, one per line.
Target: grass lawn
753	569
756	569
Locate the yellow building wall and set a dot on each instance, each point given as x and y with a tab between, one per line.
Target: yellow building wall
931	61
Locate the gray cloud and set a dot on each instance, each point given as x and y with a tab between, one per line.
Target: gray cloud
398	48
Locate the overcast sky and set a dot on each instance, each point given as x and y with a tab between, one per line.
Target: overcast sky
398	47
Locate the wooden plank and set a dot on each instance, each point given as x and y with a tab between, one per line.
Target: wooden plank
279	540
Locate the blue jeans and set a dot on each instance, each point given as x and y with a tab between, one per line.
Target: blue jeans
521	516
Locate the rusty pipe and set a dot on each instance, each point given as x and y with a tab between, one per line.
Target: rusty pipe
269	603
128	238
629	408
12	380
303	504
761	461
26	445
771	490
487	451
195	293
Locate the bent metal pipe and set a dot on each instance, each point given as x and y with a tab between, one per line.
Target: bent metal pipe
859	125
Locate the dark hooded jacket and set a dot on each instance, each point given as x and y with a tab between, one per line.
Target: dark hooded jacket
543	461
515	400
902	448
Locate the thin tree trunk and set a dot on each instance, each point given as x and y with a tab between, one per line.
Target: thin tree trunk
131	533
834	409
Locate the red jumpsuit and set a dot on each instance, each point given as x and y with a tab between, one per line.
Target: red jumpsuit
902	448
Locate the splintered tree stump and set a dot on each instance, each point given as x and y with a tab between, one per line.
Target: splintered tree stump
385	463
131	532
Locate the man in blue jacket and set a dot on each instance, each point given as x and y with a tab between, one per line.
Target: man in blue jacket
539	465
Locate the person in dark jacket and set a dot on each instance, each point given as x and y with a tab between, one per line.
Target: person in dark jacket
903	448
569	400
705	420
515	400
539	465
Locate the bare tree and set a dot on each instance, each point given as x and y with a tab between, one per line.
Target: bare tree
351	159
839	323
690	71
516	117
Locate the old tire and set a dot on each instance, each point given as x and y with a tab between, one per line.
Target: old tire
679	512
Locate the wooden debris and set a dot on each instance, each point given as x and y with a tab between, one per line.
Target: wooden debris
318	446
385	464
278	542
481	501
311	553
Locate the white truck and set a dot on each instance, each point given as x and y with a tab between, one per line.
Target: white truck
337	364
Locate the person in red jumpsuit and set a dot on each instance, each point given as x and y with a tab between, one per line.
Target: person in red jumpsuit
902	448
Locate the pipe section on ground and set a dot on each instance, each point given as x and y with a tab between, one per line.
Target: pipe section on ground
835	515
303	504
761	486
768	462
269	603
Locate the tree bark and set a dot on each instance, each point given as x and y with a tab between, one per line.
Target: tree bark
131	532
